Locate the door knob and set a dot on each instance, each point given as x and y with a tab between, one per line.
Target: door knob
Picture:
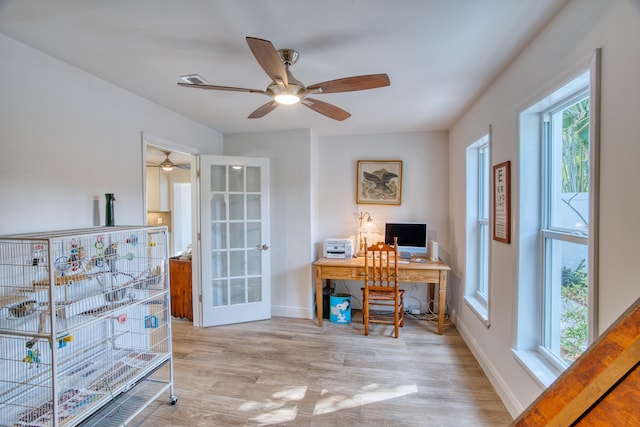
262	247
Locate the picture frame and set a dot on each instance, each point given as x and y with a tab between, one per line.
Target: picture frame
379	182
502	202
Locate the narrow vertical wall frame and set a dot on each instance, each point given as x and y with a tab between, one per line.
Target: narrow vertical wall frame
594	190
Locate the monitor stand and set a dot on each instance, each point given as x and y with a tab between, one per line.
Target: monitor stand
405	255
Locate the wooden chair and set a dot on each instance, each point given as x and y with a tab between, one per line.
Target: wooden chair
381	286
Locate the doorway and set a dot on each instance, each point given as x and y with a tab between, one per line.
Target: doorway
168	195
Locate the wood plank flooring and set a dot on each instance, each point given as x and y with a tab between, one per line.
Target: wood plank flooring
289	372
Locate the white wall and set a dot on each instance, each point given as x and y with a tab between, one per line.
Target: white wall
291	213
67	137
559	53
425	185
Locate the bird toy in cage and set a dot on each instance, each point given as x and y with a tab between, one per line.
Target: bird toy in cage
133	240
99	245
33	354
37	256
76	257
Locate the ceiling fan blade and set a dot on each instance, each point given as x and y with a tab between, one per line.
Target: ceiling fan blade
268	58
263	110
228	88
349	84
327	109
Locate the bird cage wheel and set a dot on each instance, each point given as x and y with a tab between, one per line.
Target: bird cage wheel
173	400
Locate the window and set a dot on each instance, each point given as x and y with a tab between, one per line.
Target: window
557	234
477	283
565	233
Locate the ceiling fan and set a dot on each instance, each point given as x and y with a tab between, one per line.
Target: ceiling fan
286	89
168	165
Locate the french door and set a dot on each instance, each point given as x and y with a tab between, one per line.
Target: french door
234	215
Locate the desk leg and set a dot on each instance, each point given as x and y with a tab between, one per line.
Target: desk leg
319	294
442	300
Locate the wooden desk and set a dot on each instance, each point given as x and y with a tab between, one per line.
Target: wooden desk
413	272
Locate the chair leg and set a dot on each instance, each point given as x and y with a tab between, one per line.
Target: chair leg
401	311
365	315
396	321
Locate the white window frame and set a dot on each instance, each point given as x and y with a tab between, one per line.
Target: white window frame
528	346
477	231
550	233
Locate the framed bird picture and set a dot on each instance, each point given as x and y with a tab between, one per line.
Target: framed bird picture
379	182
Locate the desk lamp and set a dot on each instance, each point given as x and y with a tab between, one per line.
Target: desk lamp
366	226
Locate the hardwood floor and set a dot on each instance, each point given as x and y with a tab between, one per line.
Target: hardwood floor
289	372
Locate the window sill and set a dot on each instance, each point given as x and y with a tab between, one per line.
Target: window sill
479	308
537	367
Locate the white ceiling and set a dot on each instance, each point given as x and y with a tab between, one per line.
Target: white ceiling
439	54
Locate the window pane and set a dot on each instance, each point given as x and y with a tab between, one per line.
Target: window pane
566	299
483	279
483	182
569	168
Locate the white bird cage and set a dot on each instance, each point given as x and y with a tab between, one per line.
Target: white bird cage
84	325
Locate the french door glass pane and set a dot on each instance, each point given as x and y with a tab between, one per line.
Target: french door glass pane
236	235
254	238
237	291
218	236
254	265
253	179
218	208
218	264
220	293
236	207
566	299
236	179
218	178
254	289
253	206
236	263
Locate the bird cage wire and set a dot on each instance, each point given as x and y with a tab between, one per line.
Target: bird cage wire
84	316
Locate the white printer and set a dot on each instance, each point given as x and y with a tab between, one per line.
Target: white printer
338	248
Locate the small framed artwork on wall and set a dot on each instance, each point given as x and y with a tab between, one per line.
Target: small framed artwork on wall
502	202
379	182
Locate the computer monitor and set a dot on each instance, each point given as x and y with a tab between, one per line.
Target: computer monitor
412	237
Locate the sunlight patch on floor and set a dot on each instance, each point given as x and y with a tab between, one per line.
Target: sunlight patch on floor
282	406
369	394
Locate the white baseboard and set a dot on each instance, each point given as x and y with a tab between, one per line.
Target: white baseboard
499	384
294	312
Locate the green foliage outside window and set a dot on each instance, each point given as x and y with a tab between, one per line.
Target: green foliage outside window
575	148
575	294
575	179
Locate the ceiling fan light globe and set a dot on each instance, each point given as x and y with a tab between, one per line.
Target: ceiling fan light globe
287	99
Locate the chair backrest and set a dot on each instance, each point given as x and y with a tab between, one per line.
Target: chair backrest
382	269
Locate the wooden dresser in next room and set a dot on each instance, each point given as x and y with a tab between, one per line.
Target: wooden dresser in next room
181	300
